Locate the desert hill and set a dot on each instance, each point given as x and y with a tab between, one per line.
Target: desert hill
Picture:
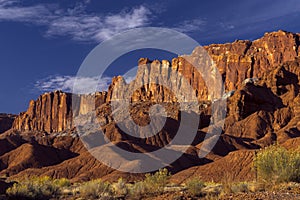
262	78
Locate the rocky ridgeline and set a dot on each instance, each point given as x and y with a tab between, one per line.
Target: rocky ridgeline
237	61
262	80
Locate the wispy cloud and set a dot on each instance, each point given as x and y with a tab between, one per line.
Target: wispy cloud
11	10
80	25
226	26
75	23
84	85
191	25
255	17
274	9
85	27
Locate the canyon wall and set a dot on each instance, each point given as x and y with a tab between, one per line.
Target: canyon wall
237	61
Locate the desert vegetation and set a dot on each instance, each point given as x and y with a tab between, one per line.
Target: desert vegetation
48	188
151	185
194	186
275	166
95	189
37	188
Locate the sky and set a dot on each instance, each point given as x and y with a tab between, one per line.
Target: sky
43	43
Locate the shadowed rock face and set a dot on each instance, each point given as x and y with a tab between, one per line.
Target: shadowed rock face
4	186
6	122
260	111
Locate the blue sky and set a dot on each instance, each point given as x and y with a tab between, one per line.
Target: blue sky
43	43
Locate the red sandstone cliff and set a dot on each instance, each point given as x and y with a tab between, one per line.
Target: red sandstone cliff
236	61
259	113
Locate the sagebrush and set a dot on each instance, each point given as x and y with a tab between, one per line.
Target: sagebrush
36	188
194	187
153	184
95	189
275	164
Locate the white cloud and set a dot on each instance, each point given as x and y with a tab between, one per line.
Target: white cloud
116	23
75	22
226	26
84	85
85	27
12	11
79	25
190	25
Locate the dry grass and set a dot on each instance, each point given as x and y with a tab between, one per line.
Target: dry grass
153	184
194	187
120	188
275	164
95	189
37	188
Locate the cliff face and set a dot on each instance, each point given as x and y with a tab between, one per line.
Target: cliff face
260	112
236	61
51	112
244	59
6	122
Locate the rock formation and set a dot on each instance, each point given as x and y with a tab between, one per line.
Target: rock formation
236	61
6	122
262	80
51	112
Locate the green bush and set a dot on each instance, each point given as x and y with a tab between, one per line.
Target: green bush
153	184
62	182
120	188
138	190
95	189
156	183
36	188
194	187
276	164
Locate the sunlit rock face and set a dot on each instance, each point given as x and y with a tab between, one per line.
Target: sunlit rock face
165	81
262	83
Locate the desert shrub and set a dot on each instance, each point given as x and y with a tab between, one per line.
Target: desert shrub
294	166
120	188
212	190
95	189
152	185
62	182
194	187
227	180
156	183
239	187
137	190
276	164
256	186
36	188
